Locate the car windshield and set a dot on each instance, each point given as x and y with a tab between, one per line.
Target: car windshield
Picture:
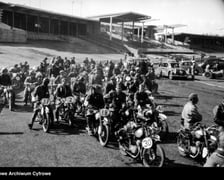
174	65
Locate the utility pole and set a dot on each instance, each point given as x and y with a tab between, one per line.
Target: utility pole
72	6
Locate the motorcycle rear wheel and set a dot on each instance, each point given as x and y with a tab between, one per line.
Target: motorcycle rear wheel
153	157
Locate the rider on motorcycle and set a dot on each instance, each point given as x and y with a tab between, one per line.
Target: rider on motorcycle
58	79
78	88
190	114
95	101
62	91
118	102
5	78
141	99
217	158
110	85
219	115
40	92
31	79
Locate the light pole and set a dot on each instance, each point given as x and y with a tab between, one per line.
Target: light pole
72	6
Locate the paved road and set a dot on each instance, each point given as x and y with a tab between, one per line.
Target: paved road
72	147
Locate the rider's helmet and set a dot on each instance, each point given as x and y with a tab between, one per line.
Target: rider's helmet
39	75
4	70
11	69
46	81
193	97
32	73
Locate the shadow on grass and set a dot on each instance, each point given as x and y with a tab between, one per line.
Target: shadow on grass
171	113
62	128
167	97
170	138
22	108
173	164
172	105
11	133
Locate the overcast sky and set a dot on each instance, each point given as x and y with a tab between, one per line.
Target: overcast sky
199	16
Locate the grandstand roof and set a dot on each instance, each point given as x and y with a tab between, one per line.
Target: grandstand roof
122	17
37	11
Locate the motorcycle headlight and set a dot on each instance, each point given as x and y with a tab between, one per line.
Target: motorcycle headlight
97	115
198	134
127	113
139	133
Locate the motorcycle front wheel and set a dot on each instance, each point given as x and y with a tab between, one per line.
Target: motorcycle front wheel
153	157
46	123
182	144
11	101
103	135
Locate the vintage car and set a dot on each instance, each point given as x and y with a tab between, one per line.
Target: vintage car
187	64
172	69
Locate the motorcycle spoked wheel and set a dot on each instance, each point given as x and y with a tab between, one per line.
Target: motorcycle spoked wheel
123	144
70	117
46	123
153	157
103	135
182	143
11	101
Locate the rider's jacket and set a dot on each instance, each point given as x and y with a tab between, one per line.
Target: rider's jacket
219	116
142	98
117	99
5	80
109	86
95	100
30	79
190	115
133	87
79	87
63	91
150	76
221	142
41	92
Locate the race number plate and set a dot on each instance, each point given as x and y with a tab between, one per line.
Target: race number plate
104	112
147	143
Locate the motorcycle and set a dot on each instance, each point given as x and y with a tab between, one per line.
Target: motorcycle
79	104
107	126
16	81
45	114
199	143
140	141
99	125
155	116
28	95
8	96
66	109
